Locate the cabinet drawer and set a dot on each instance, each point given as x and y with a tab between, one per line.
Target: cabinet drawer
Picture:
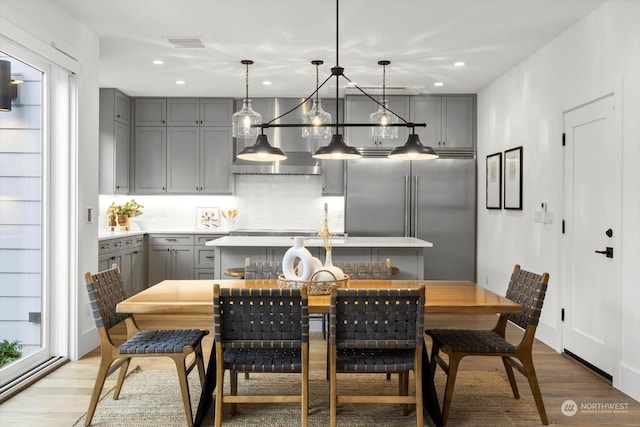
111	245
202	239
134	242
204	274
171	239
205	258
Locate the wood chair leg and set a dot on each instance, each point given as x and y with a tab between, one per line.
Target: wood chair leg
333	396
435	350
181	368
454	361
417	373
200	364
121	375
233	374
103	371
403	390
512	378
305	392
219	395
527	364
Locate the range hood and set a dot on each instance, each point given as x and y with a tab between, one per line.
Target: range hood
296	163
289	140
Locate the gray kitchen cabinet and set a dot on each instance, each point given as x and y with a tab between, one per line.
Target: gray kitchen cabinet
215	159
358	108
205	256
216	112
150	111
170	256
183	159
150	160
450	120
128	253
114	142
348	255
409	261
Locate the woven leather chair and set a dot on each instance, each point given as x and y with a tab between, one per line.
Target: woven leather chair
262	270
260	330
106	290
377	331
366	270
529	290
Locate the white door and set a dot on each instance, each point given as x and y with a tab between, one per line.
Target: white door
593	207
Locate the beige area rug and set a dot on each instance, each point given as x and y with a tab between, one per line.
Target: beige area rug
152	398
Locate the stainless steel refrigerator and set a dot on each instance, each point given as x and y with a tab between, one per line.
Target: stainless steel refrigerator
433	200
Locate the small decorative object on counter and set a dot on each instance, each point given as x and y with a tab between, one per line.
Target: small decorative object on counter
330	271
306	261
230	218
124	213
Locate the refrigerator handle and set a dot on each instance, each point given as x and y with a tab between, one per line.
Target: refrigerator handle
414	232
407	206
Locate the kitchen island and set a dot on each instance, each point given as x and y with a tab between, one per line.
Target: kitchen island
405	253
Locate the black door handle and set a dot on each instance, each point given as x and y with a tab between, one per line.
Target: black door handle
608	252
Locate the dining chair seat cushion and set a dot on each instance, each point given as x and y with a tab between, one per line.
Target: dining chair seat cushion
471	341
263	359
374	360
162	341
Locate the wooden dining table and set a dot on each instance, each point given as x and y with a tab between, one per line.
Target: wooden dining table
195	297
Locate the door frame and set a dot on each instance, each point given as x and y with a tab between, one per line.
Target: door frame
577	99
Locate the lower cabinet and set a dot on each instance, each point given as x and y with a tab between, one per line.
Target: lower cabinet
205	257
129	254
409	261
170	256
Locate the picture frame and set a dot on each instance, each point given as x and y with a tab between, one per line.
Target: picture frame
207	218
494	181
513	178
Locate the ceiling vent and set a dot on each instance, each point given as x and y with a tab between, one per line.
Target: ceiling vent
184	42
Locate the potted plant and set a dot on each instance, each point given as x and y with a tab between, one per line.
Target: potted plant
9	351
125	212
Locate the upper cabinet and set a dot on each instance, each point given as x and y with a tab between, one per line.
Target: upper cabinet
214	112
150	111
189	151
450	120
358	108
115	137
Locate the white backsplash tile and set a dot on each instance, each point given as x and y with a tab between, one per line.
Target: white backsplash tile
286	202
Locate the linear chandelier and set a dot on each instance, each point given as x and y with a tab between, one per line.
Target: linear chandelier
383	123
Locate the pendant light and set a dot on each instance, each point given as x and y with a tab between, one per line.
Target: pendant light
318	119
5	85
413	150
244	121
383	116
262	151
337	150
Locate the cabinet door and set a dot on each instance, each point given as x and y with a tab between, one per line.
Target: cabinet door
159	264
137	271
182	159
409	261
427	109
350	255
122	147
125	272
358	110
122	108
458	120
183	112
216	111
150	151
216	156
151	111
182	263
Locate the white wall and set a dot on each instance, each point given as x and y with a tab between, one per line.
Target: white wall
524	107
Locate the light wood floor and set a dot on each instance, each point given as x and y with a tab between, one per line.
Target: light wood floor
62	397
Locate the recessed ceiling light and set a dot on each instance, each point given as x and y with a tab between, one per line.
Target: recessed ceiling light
438	84
181	82
459	64
158	62
266	83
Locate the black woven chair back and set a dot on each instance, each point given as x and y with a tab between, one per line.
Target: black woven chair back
263	270
528	289
376	318
261	318
365	270
105	292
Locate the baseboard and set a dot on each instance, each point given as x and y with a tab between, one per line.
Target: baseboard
629	382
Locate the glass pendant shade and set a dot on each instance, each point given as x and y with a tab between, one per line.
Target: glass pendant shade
413	150
5	85
337	150
383	117
319	121
262	151
245	120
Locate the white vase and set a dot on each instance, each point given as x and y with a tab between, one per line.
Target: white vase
329	271
306	261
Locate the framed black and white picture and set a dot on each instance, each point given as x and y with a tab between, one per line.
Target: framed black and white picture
513	178
494	181
207	218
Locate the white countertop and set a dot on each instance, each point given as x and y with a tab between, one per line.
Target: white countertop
106	234
350	242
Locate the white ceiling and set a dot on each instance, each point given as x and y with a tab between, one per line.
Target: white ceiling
422	39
